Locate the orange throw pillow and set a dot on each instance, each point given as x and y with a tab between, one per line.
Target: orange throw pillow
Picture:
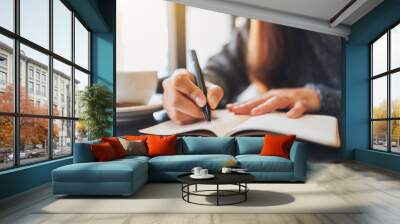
103	152
135	137
277	145
116	145
161	145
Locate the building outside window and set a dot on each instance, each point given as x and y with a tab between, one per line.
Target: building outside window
55	129
43	90
3	72
30	72
3	79
30	87
385	93
38	89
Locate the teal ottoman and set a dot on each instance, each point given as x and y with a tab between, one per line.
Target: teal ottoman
118	177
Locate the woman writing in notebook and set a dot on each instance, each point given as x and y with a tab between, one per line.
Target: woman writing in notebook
281	68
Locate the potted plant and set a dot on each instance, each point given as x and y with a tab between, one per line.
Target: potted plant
96	103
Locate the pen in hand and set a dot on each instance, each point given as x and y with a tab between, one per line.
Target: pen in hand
200	83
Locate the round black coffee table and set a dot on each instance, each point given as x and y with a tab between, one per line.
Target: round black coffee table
238	179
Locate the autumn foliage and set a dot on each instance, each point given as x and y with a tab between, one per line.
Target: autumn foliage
33	131
380	127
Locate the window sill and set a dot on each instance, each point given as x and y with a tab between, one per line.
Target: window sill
385	160
30	166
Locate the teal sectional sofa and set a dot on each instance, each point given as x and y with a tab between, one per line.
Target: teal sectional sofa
125	176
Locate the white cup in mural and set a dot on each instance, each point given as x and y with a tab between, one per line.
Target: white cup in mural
135	88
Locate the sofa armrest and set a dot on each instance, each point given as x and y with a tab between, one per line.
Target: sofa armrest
298	155
83	152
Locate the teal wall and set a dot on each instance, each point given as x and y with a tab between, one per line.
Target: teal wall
99	16
24	178
356	85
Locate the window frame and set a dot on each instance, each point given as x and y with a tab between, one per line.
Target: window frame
16	115
388	74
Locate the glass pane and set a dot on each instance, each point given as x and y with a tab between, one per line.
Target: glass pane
197	26
81	131
62	29
81	81
33	139
34	92
395	47
81	45
379	98
6	74
35	21
395	136
6	142
62	89
143	37
379	135
62	138
7	14
395	94
379	55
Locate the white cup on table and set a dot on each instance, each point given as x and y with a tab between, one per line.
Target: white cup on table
203	172
197	171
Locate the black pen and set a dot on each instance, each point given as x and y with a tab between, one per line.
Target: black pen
200	83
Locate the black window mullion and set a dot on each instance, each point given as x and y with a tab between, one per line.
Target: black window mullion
73	82
371	137
389	104
16	84
50	79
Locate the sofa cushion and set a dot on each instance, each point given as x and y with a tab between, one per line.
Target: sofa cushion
116	145
185	163
277	145
161	145
249	145
257	163
207	145
134	147
112	171
103	152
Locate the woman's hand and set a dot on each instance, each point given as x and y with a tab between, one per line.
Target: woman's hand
183	100
298	100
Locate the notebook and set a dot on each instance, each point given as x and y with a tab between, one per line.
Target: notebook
321	129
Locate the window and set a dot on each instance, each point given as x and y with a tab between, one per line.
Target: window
62	74
37	89
3	78
34	21
7	14
30	72
30	87
7	74
160	41
41	129
62	137
81	45
38	74
385	94
196	28
143	37
3	61
62	30
81	81
44	91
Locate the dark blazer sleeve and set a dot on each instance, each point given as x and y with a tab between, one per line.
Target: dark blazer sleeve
228	68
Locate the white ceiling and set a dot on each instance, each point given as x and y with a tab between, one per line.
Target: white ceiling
320	9
325	16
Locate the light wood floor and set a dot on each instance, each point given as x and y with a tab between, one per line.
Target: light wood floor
351	181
